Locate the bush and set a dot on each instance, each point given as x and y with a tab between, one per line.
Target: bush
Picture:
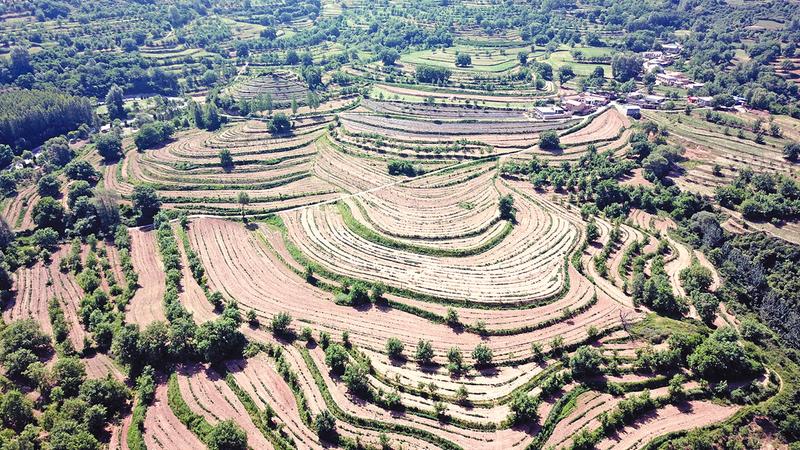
722	357
336	358
482	355
463	60
398	167
279	124
524	409
424	352
226	435
394	348
325	425
280	324
585	361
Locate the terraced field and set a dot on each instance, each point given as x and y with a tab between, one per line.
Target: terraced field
451	271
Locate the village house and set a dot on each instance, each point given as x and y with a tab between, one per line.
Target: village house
583	103
551	112
702	102
633	111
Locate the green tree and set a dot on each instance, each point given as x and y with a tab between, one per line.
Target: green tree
592	232
506	207
212	118
280	324
695	278
109	146
16	410
81	170
49	213
482	355
225	159
388	56
721	356
69	374
585	362
220	339
279	124
115	103
325	425
356	378
243	199
565	73
549	140
463	60
57	152
227	435
6	156
455	360
625	66
336	358
791	151
151	135
146	202
49	186
424	352
524	409
394	348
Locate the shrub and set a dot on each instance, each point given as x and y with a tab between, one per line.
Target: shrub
394	348
398	167
325	425
585	361
721	356
523	409
424	352
280	324
336	358
482	355
226	435
455	360
279	124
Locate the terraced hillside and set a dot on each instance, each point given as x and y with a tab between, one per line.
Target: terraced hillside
424	277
